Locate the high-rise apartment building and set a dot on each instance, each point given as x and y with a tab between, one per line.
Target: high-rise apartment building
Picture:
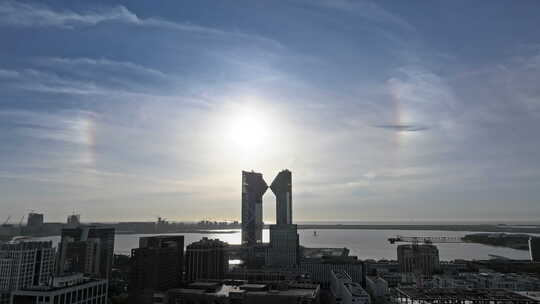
253	189
86	249
283	250
206	260
282	188
26	264
418	259
156	266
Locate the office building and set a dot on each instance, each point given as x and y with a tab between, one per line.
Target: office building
345	291
73	289
35	220
253	189
534	248
206	260
239	292
25	264
320	269
157	265
86	249
282	188
283	250
420	259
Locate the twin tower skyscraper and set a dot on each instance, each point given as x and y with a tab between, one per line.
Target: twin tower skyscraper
253	189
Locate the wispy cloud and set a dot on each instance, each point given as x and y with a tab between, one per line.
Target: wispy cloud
101	63
403	128
21	14
368	10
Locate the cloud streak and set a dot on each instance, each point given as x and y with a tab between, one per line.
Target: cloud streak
27	15
403	128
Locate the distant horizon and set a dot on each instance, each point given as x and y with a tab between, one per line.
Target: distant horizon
344	222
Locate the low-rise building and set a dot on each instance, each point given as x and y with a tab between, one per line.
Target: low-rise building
320	268
345	291
457	295
73	289
238	292
377	287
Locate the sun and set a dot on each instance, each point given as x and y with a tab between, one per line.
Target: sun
248	130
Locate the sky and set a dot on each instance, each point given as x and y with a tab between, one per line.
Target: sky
383	110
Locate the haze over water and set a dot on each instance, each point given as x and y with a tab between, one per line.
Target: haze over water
366	244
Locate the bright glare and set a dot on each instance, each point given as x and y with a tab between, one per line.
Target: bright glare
248	130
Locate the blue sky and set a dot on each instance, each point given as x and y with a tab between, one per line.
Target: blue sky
386	110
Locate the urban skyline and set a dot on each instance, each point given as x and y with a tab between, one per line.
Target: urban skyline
385	111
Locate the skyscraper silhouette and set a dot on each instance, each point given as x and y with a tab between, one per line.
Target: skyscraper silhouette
283	250
253	189
282	188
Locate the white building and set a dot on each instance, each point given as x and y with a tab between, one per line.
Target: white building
26	264
320	268
345	291
73	289
377	287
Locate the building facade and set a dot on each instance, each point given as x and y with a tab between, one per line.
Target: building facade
418	259
345	291
320	269
253	189
157	265
206	259
35	220
283	250
74	289
26	264
282	188
86	249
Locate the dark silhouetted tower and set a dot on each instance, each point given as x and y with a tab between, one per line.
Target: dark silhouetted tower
283	250
253	189
206	260
282	188
157	265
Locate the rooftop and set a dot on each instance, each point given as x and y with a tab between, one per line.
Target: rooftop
467	294
355	289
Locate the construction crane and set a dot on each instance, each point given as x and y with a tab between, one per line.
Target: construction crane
7	221
417	257
415	240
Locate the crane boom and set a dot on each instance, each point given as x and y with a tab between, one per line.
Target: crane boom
7	220
425	239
